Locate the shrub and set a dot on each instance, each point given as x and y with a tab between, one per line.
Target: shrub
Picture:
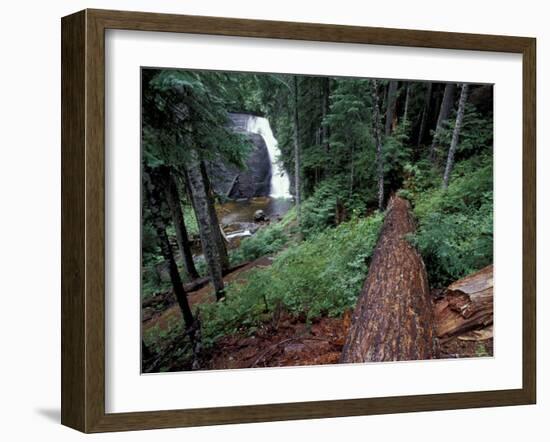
319	210
321	276
455	231
266	241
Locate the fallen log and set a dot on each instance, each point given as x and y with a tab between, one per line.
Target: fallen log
163	300
466	305
198	284
393	318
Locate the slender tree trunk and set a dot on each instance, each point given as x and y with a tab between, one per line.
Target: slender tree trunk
351	178
207	230
297	180
158	212
174	202
407	94
390	107
393	319
444	114
446	103
456	135
325	130
378	142
425	113
218	235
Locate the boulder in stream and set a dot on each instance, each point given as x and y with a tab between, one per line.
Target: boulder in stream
259	215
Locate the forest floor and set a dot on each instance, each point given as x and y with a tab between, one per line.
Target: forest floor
167	310
292	342
288	341
285	340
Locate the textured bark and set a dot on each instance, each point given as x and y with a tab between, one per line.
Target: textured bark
393	319
446	104
466	305
390	108
174	202
152	185
425	113
297	167
207	230
444	114
219	238
378	143
456	135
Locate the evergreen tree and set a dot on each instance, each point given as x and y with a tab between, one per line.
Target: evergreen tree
185	122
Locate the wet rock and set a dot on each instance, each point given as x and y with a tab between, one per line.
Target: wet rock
259	215
255	179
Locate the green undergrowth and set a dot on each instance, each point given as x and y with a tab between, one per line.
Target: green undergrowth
267	241
321	276
455	226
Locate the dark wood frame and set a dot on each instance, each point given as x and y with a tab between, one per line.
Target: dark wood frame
83	217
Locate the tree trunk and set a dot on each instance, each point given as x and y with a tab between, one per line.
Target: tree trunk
390	108
297	180
456	135
207	230
158	213
174	202
407	95
325	130
378	143
425	113
393	318
444	114
466	305
218	233
351	175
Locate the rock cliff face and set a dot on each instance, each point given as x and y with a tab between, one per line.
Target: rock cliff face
252	181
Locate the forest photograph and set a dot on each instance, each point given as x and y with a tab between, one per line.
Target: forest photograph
293	220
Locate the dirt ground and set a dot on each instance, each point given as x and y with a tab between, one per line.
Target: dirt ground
290	342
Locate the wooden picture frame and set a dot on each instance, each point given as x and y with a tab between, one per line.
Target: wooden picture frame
83	220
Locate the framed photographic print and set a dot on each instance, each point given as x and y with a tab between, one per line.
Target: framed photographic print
268	220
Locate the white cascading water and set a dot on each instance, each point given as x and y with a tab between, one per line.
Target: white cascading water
280	183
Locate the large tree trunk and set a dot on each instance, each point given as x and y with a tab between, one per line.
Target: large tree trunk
466	305
378	143
425	114
207	230
456	135
444	113
297	167
393	318
390	108
219	237
174	202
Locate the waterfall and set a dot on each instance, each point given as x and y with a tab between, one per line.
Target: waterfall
280	183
